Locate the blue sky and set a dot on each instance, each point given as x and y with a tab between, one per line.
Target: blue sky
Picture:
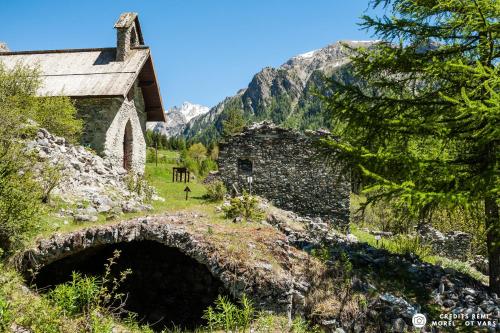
204	50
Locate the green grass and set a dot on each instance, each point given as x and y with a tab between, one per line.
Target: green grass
231	239
393	247
160	177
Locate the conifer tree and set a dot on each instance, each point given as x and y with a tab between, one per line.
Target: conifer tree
421	125
233	123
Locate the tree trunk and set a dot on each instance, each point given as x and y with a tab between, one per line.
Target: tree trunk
493	242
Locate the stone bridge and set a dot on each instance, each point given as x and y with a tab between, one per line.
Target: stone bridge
180	264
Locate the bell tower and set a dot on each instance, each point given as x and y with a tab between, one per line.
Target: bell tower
128	35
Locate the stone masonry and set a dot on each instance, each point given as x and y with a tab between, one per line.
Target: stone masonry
105	123
453	244
114	89
287	169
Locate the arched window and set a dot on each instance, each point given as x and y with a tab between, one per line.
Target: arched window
127	147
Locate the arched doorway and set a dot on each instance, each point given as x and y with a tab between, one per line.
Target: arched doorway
127	147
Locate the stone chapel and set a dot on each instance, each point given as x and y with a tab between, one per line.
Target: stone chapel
114	89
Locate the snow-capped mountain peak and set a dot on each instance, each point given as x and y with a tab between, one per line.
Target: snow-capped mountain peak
189	110
177	118
309	54
323	59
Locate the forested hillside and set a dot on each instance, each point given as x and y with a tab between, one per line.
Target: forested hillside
285	95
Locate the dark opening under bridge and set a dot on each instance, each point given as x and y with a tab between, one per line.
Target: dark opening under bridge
177	270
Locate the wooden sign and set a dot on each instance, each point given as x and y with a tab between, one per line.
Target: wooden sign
187	190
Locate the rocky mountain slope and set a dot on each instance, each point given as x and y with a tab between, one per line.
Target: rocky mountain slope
177	118
283	95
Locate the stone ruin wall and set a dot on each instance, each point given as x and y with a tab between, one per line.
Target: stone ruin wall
105	120
453	244
288	170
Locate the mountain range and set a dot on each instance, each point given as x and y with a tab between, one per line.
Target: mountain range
284	95
177	119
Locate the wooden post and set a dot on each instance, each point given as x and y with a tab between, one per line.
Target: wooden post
187	190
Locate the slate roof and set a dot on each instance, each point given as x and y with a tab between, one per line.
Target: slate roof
82	73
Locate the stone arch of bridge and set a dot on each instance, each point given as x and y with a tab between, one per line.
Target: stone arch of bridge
157	246
166	287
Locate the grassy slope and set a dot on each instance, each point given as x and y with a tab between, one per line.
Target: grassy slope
22	307
34	311
160	177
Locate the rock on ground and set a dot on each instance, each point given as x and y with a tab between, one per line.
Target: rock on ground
89	184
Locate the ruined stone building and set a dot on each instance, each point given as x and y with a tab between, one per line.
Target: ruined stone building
115	90
288	169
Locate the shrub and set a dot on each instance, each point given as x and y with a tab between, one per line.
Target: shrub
300	325
191	164
85	295
214	153
49	178
20	195
407	245
150	155
270	323
228	316
5	315
100	324
138	184
216	191
207	166
322	254
80	295
59	116
244	207
197	152
20	198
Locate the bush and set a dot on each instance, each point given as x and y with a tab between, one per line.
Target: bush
197	152
5	315
196	160
85	295
244	207
20	198
59	116
207	166
20	195
407	245
216	191
80	295
228	316
139	185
